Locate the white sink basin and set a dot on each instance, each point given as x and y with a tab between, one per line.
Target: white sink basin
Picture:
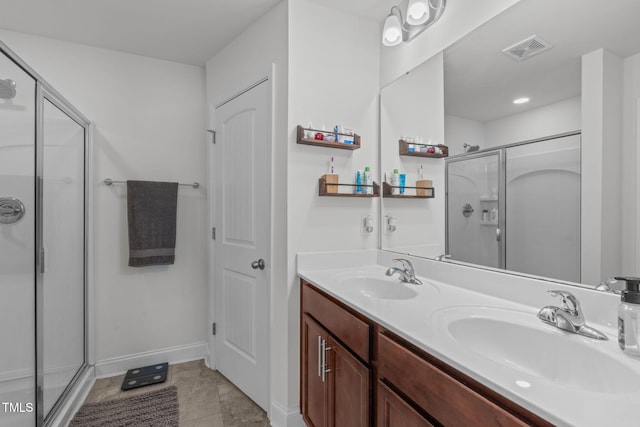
371	287
519	341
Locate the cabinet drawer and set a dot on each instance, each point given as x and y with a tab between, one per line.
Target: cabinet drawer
348	328
440	395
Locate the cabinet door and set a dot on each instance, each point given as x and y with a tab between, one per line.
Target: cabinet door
392	411
314	393
349	388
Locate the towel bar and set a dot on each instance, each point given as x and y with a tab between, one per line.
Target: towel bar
109	181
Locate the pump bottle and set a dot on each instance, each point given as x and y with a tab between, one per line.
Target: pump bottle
629	316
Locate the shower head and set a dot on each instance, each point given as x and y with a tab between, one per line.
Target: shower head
470	148
7	89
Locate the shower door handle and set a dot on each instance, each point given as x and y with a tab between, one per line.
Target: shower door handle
498	234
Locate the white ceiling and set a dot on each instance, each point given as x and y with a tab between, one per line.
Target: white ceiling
481	82
371	9
186	31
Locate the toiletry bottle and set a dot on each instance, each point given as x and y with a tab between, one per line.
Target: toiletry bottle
629	316
358	187
402	182
309	133
493	216
395	181
368	180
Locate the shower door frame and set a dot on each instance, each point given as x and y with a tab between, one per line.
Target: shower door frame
502	203
45	92
501	199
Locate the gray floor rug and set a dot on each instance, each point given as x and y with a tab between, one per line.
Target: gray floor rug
154	409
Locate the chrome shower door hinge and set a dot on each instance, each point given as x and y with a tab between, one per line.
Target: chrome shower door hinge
213	233
213	328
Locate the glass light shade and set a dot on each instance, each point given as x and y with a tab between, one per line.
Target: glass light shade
392	32
418	12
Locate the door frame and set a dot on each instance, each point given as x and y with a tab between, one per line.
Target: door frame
265	77
46	93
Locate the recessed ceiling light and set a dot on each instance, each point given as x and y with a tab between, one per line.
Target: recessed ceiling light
522	100
523	384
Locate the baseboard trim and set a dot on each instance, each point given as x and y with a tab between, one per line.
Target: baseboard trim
179	354
283	417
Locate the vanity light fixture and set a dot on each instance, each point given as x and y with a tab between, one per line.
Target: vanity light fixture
421	14
522	100
418	12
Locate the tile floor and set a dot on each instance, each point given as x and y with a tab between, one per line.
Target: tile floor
205	397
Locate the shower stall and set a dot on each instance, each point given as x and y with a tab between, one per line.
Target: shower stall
517	207
44	165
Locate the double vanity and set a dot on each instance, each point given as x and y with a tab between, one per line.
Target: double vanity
463	348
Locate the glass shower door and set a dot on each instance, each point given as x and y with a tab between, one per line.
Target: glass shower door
543	208
63	240
474	232
17	246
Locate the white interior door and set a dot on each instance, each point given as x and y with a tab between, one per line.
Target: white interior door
242	221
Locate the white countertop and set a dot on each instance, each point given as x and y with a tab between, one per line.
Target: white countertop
423	319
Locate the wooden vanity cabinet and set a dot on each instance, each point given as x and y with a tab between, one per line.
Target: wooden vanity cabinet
335	381
412	388
443	394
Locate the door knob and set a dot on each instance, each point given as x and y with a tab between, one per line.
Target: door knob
259	264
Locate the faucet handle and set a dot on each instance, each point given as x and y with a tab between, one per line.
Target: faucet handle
405	263
569	301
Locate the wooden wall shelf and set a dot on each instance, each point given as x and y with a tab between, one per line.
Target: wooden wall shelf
386	192
331	190
404	150
322	143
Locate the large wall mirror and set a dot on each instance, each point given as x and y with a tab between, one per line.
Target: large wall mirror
540	111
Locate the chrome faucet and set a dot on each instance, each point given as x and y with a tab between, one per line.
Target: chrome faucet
407	274
569	317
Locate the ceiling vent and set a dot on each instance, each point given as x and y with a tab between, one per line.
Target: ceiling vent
527	48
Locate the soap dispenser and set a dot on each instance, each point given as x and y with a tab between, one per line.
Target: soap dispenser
629	316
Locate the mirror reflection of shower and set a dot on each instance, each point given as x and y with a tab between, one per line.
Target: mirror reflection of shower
7	89
528	199
7	94
468	148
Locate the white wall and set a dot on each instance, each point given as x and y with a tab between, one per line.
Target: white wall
459	18
333	78
150	120
552	119
460	131
413	106
602	77
244	61
631	139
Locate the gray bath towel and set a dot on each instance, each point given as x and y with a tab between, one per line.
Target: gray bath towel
151	211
